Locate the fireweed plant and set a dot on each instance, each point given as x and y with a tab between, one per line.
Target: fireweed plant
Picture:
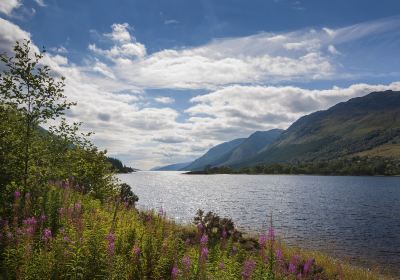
66	234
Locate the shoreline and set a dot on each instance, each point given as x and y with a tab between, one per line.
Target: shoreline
279	174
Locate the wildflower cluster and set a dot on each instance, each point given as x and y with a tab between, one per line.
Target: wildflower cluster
66	233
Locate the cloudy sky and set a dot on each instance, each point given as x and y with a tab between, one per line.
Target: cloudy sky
161	81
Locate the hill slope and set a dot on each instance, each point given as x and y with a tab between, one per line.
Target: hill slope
348	128
213	155
252	145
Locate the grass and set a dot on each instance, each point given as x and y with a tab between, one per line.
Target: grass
63	234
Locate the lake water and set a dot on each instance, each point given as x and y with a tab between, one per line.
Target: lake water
355	218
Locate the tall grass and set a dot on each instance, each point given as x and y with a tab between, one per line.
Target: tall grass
64	234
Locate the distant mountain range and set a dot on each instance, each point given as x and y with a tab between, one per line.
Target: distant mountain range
172	167
363	126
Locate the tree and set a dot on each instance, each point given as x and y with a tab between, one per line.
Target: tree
28	87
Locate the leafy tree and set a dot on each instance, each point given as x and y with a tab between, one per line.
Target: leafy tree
28	87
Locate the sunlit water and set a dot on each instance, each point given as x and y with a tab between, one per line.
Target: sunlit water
356	218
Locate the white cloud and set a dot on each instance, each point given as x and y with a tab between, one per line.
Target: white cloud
303	55
171	21
9	34
164	99
7	6
41	3
110	89
226	111
125	47
120	33
60	49
333	50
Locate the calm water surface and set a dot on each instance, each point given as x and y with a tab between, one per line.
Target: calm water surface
356	218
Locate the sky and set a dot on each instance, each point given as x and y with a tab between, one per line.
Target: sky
161	82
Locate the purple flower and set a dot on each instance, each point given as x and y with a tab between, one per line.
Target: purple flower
279	255
174	272
65	184
204	240
308	265
204	254
27	196
187	242
221	266
262	240
78	207
43	217
136	251
30	221
200	227
248	269
17	194
47	235
30	230
186	262
271	234
292	268
111	243
224	234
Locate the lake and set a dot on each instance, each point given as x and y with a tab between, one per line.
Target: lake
353	218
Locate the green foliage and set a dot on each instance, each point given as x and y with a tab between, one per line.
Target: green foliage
28	87
118	166
30	156
343	166
127	195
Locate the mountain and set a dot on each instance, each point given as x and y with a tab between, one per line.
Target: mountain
361	126
172	167
256	142
213	155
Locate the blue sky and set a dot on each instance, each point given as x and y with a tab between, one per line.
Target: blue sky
162	81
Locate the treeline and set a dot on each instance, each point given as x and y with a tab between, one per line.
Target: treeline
358	166
118	166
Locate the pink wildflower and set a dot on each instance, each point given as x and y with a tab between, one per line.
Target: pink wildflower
186	262
204	240
248	269
262	240
17	194
136	251
47	235
111	243
174	272
204	254
200	227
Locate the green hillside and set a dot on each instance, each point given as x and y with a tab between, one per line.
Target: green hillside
347	129
212	156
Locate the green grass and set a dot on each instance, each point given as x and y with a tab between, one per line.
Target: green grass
94	240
